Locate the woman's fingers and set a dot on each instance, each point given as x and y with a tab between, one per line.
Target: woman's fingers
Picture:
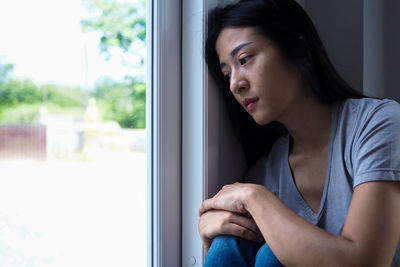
243	232
220	222
222	201
244	221
230	197
205	206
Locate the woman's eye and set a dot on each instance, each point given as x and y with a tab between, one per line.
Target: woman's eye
244	60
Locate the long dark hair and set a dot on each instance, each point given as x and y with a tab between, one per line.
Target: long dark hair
288	26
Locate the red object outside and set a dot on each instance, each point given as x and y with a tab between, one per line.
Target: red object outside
23	142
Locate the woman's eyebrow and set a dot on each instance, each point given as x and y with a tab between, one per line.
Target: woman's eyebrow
237	48
235	51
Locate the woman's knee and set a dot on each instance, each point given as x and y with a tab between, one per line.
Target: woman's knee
266	258
223	246
228	250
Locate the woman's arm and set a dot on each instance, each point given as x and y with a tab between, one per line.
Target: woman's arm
369	237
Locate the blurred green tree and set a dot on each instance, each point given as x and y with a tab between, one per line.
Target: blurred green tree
122	25
6	70
119	23
21	99
122	102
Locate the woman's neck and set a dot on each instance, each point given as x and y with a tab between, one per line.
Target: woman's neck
309	124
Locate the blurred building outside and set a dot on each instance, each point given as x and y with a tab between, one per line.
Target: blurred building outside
65	137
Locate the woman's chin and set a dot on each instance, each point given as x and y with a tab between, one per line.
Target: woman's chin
261	120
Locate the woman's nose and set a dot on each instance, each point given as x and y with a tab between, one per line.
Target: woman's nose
238	84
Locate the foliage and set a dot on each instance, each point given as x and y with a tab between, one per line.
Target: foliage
6	70
123	102
23	113
15	92
27	113
19	91
24	91
120	24
21	99
63	96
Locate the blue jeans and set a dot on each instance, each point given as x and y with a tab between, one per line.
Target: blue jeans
234	251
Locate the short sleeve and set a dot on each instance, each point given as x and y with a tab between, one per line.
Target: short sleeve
376	153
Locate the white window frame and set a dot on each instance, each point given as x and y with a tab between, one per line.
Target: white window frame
176	124
206	136
194	165
164	132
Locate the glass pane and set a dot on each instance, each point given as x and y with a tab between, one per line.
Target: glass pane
72	133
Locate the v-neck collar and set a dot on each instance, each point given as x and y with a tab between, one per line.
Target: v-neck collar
312	215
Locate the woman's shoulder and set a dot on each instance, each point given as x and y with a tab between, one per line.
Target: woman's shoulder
358	112
372	139
368	105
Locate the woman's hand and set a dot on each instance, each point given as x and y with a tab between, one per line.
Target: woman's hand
231	197
226	214
220	222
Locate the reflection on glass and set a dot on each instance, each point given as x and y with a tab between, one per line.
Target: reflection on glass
72	133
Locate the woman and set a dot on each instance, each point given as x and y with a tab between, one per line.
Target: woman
327	193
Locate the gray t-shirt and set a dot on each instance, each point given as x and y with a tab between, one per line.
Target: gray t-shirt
364	146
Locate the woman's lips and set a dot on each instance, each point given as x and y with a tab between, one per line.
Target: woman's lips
250	103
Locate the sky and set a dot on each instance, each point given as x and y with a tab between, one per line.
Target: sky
44	40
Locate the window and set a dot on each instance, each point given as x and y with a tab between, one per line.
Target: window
165	132
72	137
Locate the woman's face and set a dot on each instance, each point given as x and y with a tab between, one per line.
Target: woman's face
260	80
